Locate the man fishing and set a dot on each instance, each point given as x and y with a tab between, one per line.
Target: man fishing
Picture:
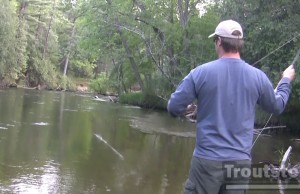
227	91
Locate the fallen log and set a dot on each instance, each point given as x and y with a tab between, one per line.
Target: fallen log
285	171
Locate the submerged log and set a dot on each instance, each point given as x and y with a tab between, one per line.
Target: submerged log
284	171
267	129
284	159
106	98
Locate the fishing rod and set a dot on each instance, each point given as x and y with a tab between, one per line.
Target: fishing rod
296	58
293	64
273	51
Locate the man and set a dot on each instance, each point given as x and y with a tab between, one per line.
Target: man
227	91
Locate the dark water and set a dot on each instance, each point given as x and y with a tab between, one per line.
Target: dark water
55	142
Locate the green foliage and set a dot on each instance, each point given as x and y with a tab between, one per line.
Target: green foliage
42	72
159	43
267	26
8	27
66	83
82	68
136	99
100	85
153	44
36	36
143	100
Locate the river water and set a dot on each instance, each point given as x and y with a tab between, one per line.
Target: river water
59	142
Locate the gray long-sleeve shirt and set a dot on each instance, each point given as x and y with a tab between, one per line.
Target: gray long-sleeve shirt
227	91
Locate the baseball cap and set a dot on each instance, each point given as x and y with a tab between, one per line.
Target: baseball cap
226	28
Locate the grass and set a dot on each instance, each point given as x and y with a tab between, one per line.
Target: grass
143	100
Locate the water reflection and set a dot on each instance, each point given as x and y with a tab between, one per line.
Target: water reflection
43	179
74	144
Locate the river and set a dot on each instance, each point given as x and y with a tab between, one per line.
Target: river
60	142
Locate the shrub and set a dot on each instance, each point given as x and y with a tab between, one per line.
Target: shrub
143	100
100	85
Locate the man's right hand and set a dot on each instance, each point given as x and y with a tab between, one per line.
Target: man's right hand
289	72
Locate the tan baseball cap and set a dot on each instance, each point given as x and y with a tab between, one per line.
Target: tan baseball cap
226	28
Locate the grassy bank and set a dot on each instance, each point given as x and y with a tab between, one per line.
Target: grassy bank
289	118
143	100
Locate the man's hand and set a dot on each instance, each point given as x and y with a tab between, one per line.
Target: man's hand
289	72
191	108
191	112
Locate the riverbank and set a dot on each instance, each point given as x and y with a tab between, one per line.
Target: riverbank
288	118
148	101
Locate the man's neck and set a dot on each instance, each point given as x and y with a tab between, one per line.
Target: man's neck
230	55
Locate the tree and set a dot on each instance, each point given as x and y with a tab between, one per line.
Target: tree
160	47
271	33
8	42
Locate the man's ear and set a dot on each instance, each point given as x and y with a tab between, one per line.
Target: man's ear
219	41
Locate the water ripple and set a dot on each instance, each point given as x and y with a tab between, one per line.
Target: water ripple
41	124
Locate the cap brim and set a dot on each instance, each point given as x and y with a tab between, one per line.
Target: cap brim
212	35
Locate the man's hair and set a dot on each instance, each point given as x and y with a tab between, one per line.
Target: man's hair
231	44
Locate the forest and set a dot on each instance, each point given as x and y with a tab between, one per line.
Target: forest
138	50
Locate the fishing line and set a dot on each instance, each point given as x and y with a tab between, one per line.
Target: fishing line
276	49
261	131
293	63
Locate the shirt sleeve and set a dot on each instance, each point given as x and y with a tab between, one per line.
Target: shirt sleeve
182	97
274	101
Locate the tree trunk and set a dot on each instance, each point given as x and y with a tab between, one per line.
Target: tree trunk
169	48
120	83
48	31
184	9
21	37
69	49
66	64
130	57
38	25
183	12
129	53
157	62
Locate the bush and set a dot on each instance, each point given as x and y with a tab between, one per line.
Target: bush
100	85
82	68
42	72
67	83
143	100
